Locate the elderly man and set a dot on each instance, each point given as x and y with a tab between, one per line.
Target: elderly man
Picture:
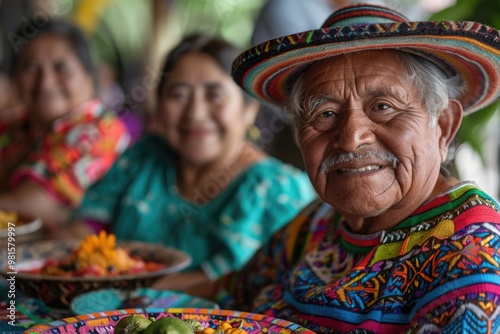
397	244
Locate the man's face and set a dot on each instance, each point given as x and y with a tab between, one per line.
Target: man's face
366	139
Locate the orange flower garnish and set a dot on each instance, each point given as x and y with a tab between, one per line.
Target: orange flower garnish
98	243
101	251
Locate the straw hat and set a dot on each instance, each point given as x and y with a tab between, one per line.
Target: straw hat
471	49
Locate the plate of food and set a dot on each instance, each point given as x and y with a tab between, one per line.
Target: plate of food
113	299
56	271
13	224
179	320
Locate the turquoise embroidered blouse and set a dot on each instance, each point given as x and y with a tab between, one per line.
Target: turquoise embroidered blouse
138	200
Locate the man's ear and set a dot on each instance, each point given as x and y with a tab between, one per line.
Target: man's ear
449	121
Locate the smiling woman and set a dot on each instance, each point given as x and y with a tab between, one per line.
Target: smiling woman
64	139
51	79
198	184
198	111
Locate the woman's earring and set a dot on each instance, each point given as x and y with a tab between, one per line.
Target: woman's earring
253	133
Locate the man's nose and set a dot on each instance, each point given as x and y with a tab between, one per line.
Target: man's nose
356	129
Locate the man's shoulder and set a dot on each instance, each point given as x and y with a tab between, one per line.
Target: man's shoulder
464	204
472	206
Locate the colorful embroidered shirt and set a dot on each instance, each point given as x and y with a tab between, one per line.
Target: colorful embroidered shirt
66	158
438	271
138	200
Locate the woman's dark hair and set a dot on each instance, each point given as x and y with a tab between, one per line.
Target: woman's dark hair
218	49
58	28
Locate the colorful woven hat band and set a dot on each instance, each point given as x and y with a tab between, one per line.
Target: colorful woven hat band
469	49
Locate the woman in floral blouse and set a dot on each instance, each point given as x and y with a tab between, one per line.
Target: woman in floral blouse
64	139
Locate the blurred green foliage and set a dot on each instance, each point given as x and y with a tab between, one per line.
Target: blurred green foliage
487	12
231	19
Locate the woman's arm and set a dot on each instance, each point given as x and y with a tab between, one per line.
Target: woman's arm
31	199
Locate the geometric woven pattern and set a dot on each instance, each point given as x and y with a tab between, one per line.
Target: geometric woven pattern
437	270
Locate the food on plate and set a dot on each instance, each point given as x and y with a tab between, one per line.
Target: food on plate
7	217
98	255
194	324
168	325
133	324
137	324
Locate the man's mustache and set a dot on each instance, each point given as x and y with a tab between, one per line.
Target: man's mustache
332	161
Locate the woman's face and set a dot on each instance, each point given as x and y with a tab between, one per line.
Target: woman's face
51	79
201	111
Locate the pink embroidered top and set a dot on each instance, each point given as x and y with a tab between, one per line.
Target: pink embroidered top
75	151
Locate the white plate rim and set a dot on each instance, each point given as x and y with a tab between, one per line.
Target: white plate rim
24	228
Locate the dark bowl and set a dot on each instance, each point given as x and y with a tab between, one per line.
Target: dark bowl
59	291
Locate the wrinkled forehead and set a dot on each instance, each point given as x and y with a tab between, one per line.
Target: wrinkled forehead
352	61
343	72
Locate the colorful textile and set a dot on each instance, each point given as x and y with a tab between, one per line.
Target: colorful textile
469	49
438	271
74	152
138	200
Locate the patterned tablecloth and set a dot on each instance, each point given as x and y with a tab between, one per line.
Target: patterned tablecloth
18	313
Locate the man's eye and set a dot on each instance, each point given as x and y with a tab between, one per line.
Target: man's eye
382	106
325	120
326	114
